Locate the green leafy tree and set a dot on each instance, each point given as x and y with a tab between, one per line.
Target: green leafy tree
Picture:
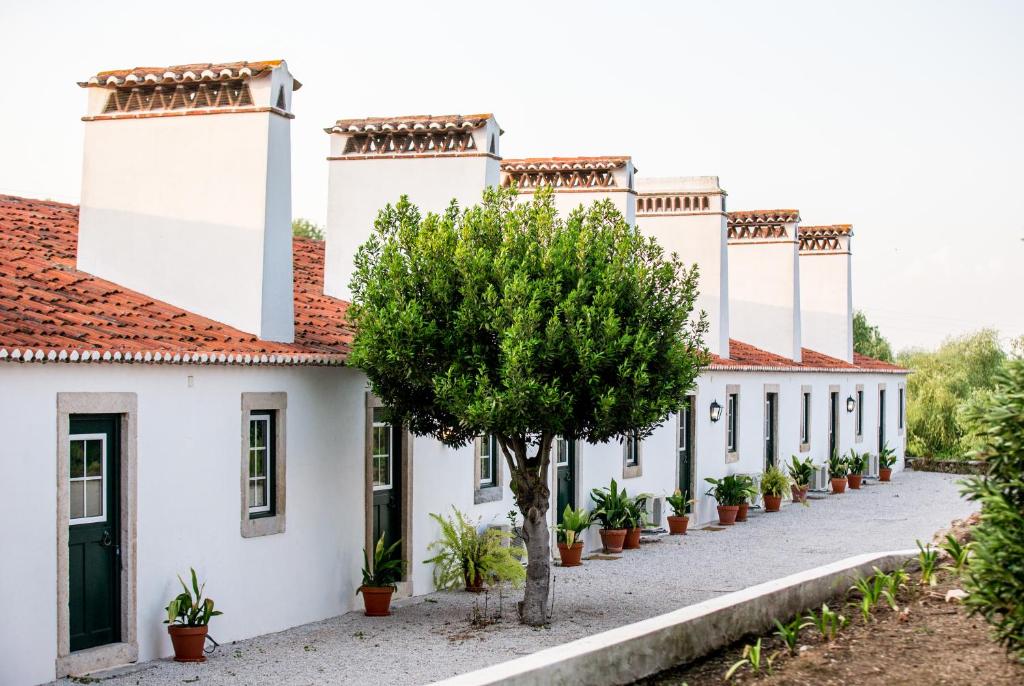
507	319
995	573
942	381
303	228
868	339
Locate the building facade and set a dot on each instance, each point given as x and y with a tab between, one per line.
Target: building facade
175	391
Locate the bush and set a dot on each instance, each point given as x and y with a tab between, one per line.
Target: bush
995	574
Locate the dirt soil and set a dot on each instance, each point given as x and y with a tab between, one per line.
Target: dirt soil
929	642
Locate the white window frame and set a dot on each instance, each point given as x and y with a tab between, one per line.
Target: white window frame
806	415
561	452
859	417
491	444
102	517
267	418
271	521
732	402
390	455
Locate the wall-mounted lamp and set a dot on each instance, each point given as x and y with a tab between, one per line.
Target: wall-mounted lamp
716	411
851	404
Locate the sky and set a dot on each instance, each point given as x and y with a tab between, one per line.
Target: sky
905	119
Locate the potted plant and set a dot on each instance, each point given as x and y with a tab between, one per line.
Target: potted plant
188	619
773	485
677	521
800	473
610	512
886	459
728	492
570	547
749	495
636	520
837	473
469	557
379	579
855	463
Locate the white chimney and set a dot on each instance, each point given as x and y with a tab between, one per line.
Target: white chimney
186	189
764	280
576	181
686	215
374	161
826	289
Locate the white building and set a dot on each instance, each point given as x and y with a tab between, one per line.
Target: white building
174	387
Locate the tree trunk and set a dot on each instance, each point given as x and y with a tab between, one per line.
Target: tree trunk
529	478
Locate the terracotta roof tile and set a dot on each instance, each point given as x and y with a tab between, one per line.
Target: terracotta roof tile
744	356
413	122
564	163
191	73
764	216
51	310
827	230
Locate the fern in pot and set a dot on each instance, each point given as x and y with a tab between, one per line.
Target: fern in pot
837	470
570	536
470	557
610	511
380	578
800	474
188	620
774	485
678	520
856	463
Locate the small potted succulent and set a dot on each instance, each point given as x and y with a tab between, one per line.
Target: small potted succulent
773	485
728	492
800	474
749	496
610	511
886	459
856	462
837	469
379	579
636	520
678	520
468	555
570	547
188	620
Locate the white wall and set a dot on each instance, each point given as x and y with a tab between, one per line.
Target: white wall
764	295
826	302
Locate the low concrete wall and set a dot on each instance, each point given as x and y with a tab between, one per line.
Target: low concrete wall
634	651
932	464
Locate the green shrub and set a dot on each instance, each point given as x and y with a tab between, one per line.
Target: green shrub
465	553
774	482
995	573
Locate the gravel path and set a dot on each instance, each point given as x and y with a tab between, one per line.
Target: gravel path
432	637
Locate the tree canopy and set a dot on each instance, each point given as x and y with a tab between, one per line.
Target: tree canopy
868	339
304	228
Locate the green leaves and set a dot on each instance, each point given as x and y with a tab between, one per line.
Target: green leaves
729	490
189	607
465	553
387	567
611	507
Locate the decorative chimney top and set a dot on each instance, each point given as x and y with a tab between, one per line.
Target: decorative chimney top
204	87
759	224
567	173
417	135
679	195
829	238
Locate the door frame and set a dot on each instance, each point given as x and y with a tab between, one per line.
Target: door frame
835	418
125	405
691	436
772	426
404	586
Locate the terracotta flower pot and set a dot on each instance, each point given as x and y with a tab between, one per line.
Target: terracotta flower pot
799	494
839	485
677	524
727	514
884	473
188	642
772	503
377	600
855	480
475	585
571	555
612	539
632	540
741	513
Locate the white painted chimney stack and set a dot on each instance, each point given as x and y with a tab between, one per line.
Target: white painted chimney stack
826	289
576	181
374	161
686	215
186	189
764	280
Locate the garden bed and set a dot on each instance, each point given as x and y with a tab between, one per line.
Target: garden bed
929	641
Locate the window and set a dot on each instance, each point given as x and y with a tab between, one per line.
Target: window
381	457
631	453
561	452
263	463
488	457
900	408
860	411
732	407
805	419
88	473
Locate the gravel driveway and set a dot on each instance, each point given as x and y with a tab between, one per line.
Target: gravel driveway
432	637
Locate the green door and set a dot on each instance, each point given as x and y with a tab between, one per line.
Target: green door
94	564
771	409
565	465
833	423
686	427
386	457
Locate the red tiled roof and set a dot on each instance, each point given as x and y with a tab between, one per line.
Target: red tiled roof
743	356
413	122
764	216
50	310
564	163
204	71
827	230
